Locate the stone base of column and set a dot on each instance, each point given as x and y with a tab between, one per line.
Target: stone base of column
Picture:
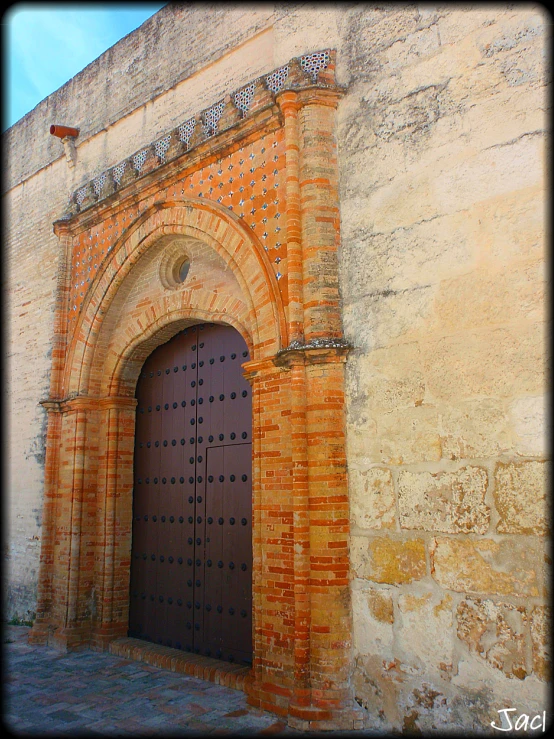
104	634
315	718
39	633
70	638
268	697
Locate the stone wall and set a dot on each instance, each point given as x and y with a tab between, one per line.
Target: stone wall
441	160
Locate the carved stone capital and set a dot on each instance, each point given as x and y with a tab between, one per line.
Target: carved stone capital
86	403
317	351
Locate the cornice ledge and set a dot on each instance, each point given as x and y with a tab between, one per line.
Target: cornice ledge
310	75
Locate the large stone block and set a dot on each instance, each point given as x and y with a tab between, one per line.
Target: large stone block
387	379
500	362
474	429
531	425
496	632
485	297
404	436
494	120
512	227
521	498
418	256
485	566
457	185
372	500
386	560
541	642
423	631
372	611
458	25
452	502
379	318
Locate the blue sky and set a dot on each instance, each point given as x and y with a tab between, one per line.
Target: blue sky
46	44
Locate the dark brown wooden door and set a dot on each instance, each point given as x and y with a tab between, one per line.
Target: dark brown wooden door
191	560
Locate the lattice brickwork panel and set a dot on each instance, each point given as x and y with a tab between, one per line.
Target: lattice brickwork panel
250	183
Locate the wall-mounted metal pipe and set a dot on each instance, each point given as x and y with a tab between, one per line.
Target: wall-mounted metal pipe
62	131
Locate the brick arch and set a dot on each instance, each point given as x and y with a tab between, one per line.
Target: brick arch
122	373
217	229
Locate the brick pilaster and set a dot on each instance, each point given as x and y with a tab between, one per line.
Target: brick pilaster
319	205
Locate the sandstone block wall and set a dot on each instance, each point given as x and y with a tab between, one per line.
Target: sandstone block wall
442	163
441	139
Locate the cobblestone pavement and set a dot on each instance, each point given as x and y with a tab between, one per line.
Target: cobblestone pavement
91	693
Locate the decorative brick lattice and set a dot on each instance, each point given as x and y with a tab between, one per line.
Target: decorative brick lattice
243	98
161	147
139	159
276	80
98	184
210	118
81	195
118	171
186	131
312	64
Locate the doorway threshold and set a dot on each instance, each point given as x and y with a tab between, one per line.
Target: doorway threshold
237	677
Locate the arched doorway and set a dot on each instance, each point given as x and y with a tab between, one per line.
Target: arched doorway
191	557
288	311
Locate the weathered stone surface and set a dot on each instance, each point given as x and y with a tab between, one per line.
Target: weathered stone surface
373	618
521	497
372	500
541	625
421	255
376	692
506	567
400	437
496	632
451	502
512	227
474	428
531	425
413	47
386	560
485	297
387	379
467	364
380	317
423	632
457	185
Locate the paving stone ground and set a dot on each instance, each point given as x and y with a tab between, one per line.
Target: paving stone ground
46	692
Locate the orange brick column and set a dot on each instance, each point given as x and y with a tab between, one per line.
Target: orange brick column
331	626
321	697
319	202
41	626
114	520
314	568
301	536
273	673
288	101
40	629
74	472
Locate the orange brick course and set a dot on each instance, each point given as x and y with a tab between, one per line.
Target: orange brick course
259	214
